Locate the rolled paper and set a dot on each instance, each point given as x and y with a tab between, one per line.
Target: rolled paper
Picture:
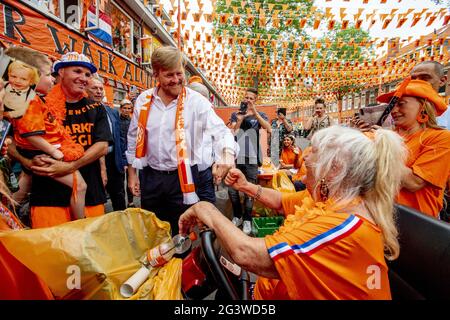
129	287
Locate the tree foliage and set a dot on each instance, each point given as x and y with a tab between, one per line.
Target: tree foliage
282	35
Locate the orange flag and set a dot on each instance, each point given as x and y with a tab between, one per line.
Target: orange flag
344	24
386	23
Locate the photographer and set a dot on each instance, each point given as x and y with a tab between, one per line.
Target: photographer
319	120
245	125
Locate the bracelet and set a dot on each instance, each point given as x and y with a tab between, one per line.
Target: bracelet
258	192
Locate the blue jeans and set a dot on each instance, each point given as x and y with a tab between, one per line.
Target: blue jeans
250	172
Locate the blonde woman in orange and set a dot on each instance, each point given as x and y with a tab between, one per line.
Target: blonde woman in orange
428	144
330	239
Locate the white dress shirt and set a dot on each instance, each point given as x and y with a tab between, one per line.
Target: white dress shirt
444	119
199	120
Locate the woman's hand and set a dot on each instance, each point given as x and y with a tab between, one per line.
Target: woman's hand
191	217
236	179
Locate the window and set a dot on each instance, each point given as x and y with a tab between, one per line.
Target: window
68	11
137	42
47	6
72	12
121	31
119	95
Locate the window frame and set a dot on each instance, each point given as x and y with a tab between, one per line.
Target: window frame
62	15
114	3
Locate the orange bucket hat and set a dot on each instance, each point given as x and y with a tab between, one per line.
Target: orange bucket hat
421	89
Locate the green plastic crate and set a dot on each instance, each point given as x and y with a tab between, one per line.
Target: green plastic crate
263	226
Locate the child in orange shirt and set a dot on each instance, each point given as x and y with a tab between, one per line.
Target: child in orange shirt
39	130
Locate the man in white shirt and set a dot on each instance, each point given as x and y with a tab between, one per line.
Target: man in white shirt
164	167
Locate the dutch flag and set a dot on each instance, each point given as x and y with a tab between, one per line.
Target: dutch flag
104	28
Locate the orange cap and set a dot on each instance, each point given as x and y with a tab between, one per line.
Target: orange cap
421	89
195	79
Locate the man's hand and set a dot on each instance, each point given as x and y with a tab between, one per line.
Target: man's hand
240	117
47	166
252	107
221	168
133	182
236	179
104	177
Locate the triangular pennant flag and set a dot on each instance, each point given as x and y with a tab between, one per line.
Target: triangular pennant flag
415	20
196	16
316	24
431	20
401	22
344	24
386	23
331	24
342	13
446	20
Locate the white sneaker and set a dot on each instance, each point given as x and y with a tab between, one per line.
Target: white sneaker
247	227
237	221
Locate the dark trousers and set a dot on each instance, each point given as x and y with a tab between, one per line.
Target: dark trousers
115	185
161	194
205	186
250	171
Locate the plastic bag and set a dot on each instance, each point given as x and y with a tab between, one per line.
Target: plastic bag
91	258
282	183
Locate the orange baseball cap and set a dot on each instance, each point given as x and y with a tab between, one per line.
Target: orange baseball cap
421	89
195	79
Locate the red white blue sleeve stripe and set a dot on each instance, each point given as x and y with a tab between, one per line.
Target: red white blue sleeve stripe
341	231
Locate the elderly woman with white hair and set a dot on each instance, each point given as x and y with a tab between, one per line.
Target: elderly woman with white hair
335	235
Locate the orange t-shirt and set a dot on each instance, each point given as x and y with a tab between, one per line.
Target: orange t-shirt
302	170
429	159
37	120
289	156
327	255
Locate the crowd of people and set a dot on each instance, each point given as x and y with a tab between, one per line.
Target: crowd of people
171	148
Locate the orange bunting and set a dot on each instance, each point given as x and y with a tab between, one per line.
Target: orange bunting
344	24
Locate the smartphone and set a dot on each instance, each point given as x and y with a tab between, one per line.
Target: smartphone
372	114
243	107
5	125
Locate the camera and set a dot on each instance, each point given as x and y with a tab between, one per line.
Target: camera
243	107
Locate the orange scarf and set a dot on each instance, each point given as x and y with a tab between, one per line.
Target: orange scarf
184	168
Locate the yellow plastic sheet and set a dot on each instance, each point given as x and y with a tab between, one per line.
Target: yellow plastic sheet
280	182
101	253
